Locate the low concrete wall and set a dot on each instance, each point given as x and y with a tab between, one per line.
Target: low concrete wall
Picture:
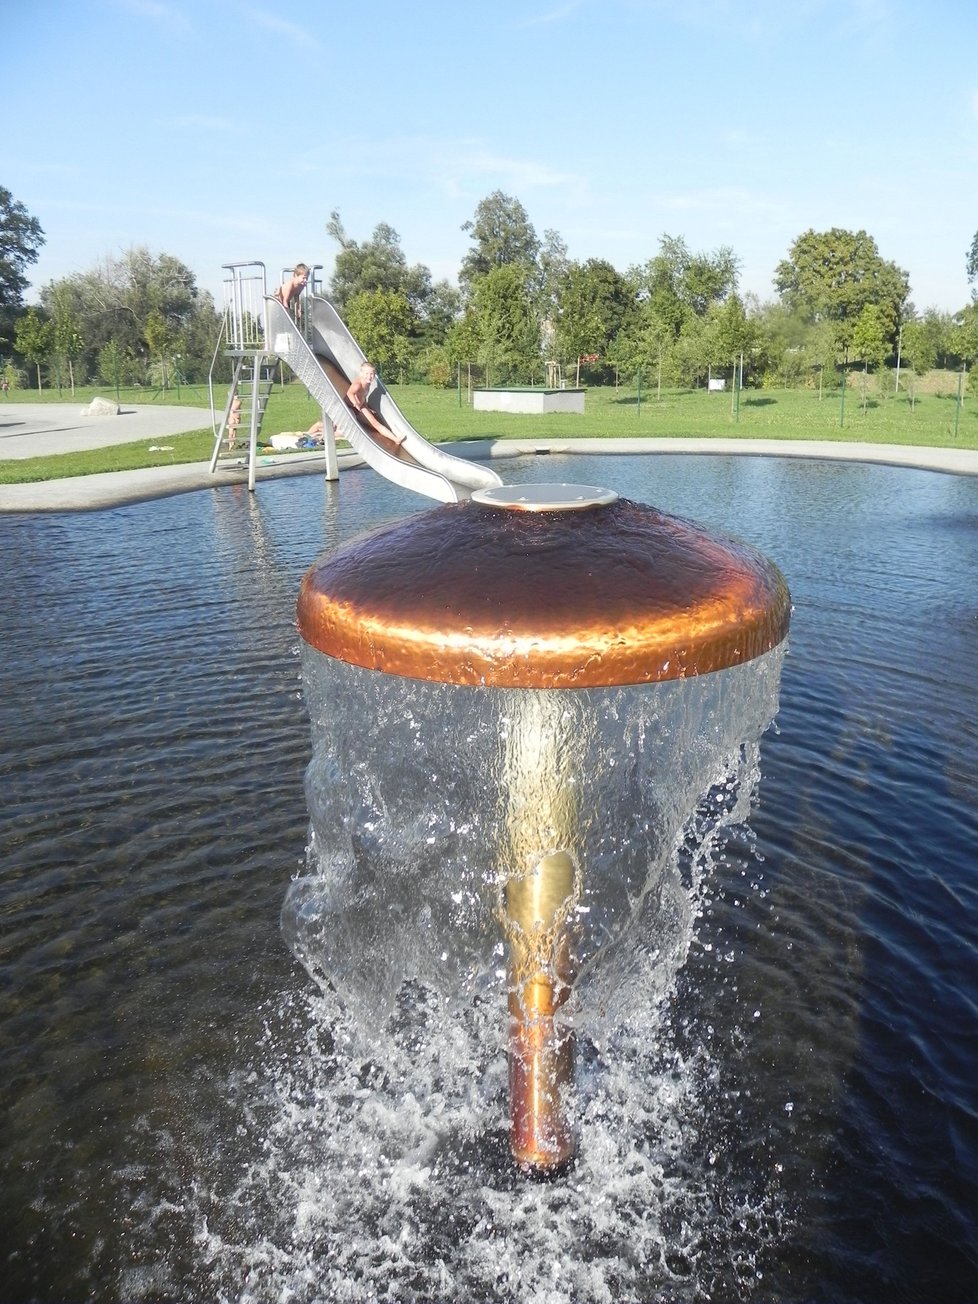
528	400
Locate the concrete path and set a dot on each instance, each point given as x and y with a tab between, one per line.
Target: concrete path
40	429
27	430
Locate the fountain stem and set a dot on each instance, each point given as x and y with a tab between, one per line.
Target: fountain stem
541	756
539	906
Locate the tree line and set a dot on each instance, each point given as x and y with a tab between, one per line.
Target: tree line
523	312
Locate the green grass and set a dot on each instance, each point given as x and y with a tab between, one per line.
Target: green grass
438	415
763	414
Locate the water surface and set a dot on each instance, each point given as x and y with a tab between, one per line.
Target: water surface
179	1121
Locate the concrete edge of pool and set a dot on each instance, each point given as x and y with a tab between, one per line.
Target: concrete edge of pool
118	488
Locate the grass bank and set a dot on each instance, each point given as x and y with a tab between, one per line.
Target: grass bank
934	420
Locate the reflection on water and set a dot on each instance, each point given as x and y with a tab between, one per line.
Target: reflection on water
184	1115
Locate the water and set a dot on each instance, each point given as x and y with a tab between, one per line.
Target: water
187	1117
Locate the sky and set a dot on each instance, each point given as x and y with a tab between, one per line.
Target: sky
225	131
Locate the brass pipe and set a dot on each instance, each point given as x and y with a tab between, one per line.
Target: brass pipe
540	892
539	908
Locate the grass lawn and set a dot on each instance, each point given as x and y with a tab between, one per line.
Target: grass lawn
933	421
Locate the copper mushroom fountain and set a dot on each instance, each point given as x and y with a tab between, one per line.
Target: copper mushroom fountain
543	587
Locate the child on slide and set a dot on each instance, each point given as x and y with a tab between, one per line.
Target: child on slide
357	396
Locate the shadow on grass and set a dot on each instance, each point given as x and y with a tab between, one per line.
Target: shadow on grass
758	402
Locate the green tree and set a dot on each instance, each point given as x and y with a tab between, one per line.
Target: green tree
679	284
821	351
503	234
381	321
688	353
966	342
434	366
971	267
34	339
729	333
594	303
651	344
869	343
442	309
462	340
940	330
506	323
554	267
112	367
916	354
66	336
113	301
160	337
833	275
21	239
376	264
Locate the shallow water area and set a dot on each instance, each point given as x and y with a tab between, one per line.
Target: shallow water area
189	1116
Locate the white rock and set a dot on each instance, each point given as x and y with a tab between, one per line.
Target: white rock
101	407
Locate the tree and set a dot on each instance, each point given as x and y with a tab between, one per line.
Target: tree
33	339
506	323
114	301
381	320
679	284
688	353
939	329
503	235
869	337
917	354
821	351
112	364
462	341
971	267
554	266
160	340
729	333
594	304
966	334
21	238
377	264
441	311
648	345
66	336
834	274
709	279
869	344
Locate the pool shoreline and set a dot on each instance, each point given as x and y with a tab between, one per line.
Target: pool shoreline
119	488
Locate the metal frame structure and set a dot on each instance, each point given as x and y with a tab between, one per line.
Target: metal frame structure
245	339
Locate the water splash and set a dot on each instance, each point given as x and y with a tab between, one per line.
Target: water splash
384	1169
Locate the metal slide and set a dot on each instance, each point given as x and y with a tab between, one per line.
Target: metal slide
326	358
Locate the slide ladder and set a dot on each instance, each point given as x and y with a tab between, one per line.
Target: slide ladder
251	384
326	358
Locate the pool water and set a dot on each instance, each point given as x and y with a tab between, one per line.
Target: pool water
183	1118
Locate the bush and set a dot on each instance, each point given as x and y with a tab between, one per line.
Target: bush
434	367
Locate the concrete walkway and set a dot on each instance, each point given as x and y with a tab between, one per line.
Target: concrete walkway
29	430
40	429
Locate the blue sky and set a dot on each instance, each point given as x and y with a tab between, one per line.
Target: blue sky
221	130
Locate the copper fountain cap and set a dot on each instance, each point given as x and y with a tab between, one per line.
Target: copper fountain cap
544	586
